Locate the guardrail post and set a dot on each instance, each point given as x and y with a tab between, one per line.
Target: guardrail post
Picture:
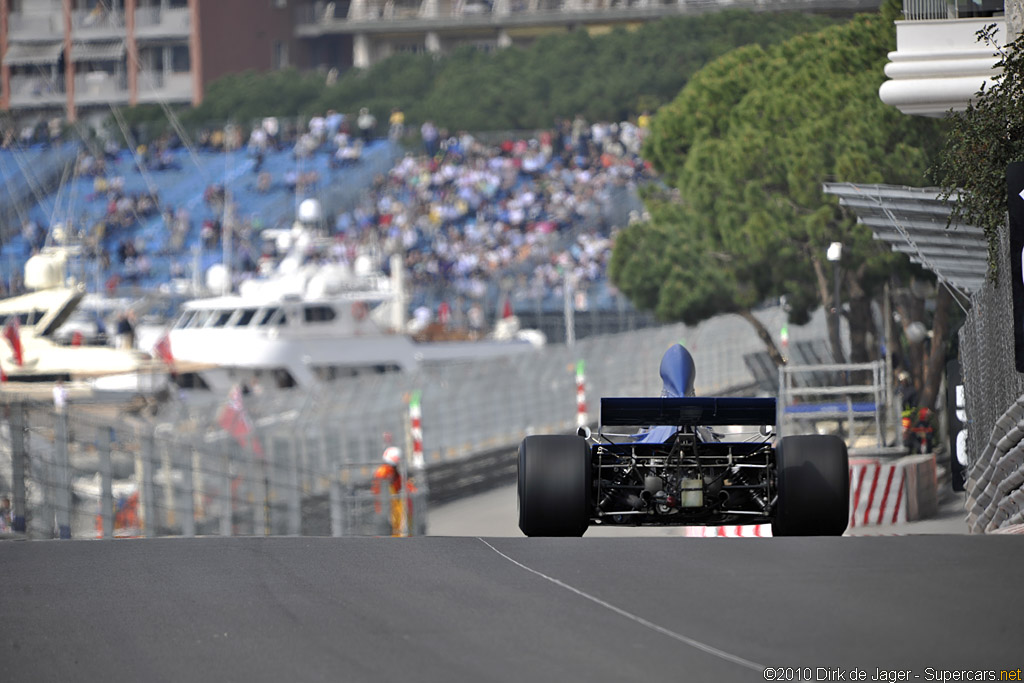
257	493
146	454
106	511
227	504
188	508
294	503
170	504
16	419
335	499
62	476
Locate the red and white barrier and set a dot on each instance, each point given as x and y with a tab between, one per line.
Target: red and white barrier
876	493
416	430
881	493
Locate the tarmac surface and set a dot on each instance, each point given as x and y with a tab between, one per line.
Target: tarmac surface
503	608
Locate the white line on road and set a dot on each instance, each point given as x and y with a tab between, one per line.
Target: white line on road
703	647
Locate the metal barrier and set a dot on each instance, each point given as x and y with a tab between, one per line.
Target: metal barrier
285	462
855	395
993	390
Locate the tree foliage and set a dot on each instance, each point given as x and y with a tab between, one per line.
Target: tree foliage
604	77
747	145
982	140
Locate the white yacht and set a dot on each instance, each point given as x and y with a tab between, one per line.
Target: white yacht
43	358
314	324
307	322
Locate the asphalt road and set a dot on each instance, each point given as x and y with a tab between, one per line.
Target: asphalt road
505	609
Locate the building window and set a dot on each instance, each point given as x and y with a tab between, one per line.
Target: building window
279	60
181	61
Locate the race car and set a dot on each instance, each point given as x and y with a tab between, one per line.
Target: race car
684	470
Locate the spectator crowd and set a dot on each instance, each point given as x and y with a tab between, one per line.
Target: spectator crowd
478	219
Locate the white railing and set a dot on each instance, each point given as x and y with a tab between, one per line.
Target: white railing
154	20
34	25
93	21
99	85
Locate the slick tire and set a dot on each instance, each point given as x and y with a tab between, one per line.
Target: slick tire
554	483
813	480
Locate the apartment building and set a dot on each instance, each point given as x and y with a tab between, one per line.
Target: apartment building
70	57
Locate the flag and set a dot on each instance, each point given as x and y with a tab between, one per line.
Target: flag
235	421
76	338
163	349
12	333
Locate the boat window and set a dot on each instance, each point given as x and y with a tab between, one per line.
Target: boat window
245	317
37	316
319	314
200	319
283	379
184	320
270	316
220	318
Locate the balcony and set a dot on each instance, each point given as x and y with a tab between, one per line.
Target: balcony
157	86
100	87
36	90
156	23
938	64
97	24
28	27
918	10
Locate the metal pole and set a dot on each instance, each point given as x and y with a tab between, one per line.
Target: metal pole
18	456
570	310
835	304
188	508
62	476
149	521
335	500
891	415
106	482
169	500
227	507
294	504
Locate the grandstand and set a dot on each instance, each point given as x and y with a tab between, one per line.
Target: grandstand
526	233
182	185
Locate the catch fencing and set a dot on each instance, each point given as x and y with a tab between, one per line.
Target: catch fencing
272	462
993	391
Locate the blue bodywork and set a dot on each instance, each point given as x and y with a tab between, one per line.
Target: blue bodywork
678	373
678	407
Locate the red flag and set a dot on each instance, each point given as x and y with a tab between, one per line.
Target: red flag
507	313
12	333
163	349
76	338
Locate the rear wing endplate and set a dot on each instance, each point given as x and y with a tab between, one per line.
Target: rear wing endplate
687	411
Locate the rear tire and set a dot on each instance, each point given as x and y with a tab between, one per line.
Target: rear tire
554	483
813	478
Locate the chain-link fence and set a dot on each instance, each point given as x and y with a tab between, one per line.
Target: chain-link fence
288	462
991	385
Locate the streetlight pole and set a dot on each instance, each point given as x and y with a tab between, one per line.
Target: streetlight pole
834	254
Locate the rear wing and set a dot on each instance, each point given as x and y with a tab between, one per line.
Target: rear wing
687	411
